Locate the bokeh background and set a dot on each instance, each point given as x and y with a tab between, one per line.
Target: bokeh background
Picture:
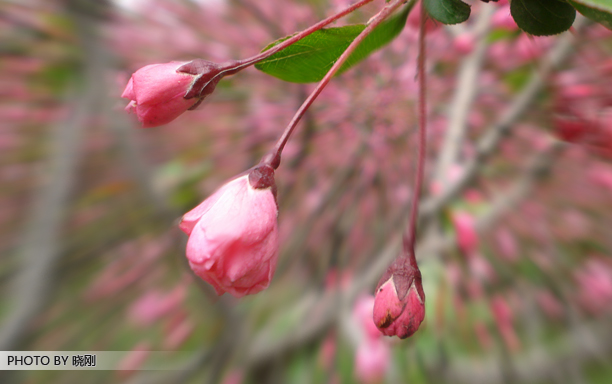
515	231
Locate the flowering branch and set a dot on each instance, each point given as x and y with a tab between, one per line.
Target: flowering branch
234	66
274	157
159	93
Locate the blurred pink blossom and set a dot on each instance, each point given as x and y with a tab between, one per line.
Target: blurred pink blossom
177	332
414	19
464	43
595	286
504	320
549	304
154	304
503	19
363	313
481	268
372	360
601	176
507	244
134	360
233	377
467	238
327	353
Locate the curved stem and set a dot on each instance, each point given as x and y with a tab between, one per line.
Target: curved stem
273	158
410	236
232	67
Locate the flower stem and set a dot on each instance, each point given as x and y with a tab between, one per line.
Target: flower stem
232	67
273	158
410	236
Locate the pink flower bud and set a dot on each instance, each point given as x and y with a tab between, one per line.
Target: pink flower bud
464	43
372	360
399	305
467	238
233	235
159	93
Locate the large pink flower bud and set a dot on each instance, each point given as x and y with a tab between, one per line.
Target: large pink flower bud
233	235
399	306
159	93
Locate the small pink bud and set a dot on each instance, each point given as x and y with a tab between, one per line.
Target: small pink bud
372	360
467	238
233	235
399	305
464	43
159	93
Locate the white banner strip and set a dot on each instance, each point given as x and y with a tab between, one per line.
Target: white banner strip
93	360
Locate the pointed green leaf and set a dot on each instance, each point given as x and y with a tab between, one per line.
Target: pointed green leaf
602	17
447	11
602	5
309	59
542	17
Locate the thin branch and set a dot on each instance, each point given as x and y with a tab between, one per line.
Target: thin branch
465	93
274	157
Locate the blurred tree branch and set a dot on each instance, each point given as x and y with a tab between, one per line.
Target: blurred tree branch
40	250
465	93
583	343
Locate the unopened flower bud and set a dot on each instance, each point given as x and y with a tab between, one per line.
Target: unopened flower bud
159	93
233	235
399	306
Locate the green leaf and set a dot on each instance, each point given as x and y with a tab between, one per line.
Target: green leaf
602	5
542	17
309	59
447	11
602	17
